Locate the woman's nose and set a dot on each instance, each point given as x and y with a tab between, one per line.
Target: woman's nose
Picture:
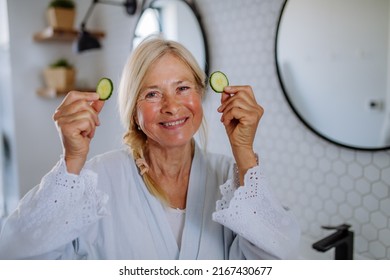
170	105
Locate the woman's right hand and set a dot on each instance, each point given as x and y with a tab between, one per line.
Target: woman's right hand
76	119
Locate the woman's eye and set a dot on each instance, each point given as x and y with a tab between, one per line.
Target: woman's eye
151	95
184	88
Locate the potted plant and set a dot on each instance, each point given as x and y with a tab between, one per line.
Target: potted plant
61	14
60	76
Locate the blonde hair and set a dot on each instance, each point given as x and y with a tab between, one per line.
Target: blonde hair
134	72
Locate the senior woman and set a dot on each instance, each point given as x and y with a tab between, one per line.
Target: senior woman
162	197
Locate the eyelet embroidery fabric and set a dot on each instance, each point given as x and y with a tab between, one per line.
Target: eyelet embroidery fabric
252	212
66	203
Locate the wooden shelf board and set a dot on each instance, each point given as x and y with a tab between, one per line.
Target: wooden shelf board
53	93
54	34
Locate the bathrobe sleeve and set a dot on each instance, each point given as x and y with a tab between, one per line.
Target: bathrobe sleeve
265	230
52	215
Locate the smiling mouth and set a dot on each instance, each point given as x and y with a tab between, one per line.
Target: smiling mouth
174	123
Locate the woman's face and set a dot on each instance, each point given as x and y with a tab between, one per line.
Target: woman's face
169	106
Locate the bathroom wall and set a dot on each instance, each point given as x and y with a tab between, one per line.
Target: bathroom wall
321	183
9	192
37	141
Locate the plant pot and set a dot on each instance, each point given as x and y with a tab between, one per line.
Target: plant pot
61	79
60	18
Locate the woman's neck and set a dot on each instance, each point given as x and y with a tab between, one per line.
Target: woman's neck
170	169
170	162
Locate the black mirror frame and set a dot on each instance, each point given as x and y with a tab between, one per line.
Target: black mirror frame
194	9
294	109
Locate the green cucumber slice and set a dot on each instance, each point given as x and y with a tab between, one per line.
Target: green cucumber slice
218	80
104	88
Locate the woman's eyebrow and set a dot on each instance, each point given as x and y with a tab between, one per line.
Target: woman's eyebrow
183	82
175	83
149	88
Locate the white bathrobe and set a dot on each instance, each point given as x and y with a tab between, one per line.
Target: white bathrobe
106	212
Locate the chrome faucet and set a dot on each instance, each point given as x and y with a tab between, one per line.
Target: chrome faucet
341	240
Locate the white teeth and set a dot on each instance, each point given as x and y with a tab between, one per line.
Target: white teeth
174	123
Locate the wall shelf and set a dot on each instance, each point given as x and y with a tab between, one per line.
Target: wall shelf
53	93
50	34
55	34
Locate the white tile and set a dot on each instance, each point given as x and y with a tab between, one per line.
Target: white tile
331	207
346	211
362	215
381	160
361	244
380	190
369	232
379	220
338	195
372	173
339	167
363	186
347	183
325	165
377	249
370	203
385	175
347	156
364	158
385	206
354	199
384	236
355	170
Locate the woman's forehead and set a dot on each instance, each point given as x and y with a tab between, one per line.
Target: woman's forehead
168	68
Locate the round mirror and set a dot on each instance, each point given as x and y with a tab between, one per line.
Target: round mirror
176	20
333	60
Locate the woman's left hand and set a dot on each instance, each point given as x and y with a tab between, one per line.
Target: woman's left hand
241	115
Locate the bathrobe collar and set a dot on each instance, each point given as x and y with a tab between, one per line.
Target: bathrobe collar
164	240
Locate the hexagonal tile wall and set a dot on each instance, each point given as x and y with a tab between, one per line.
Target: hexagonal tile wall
320	182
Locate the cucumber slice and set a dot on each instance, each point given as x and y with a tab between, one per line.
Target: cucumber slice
104	88
218	80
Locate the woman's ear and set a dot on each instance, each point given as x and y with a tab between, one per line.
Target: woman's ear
134	118
136	122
